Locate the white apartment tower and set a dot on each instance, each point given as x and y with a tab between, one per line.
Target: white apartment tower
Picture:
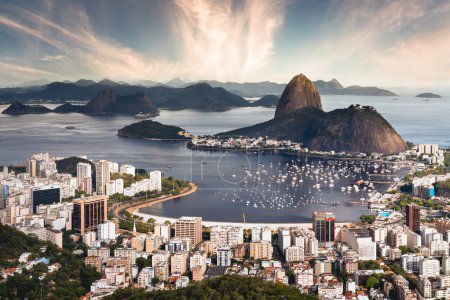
102	176
84	171
106	230
223	257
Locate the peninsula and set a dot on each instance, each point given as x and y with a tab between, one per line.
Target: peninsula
299	117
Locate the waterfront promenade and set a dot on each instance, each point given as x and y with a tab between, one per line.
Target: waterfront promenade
132	206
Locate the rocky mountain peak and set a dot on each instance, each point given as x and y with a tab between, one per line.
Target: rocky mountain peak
299	93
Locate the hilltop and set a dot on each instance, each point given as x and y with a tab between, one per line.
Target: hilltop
199	96
267	101
299	93
18	108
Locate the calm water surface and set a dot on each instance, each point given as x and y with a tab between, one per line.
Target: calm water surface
416	120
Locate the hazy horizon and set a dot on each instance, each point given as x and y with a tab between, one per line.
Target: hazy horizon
372	43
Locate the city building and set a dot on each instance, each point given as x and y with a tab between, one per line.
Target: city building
102	176
45	195
261	234
106	230
84	174
410	262
413	217
31	167
198	260
224	256
179	262
360	240
127	169
226	236
324	228
322	267
261	250
155	178
94	261
284	238
190	227
446	265
153	242
162	230
103	252
45	234
429	267
89	212
294	253
145	277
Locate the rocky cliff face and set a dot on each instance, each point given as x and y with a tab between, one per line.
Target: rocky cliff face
99	104
354	129
299	93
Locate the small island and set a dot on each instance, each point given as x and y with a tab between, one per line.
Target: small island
18	108
152	130
428	95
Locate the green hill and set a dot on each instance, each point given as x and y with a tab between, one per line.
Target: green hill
149	129
71	281
69	165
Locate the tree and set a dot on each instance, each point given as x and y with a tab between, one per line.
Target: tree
142	263
367	218
404	249
371	282
151	220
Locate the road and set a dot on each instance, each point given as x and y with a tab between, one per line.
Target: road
133	205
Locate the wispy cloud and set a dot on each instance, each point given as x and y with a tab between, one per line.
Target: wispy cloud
217	39
89	54
225	39
383	42
22	71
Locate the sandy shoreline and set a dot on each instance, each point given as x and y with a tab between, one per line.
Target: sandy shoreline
207	223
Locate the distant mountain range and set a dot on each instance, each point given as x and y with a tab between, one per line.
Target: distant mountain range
85	89
200	96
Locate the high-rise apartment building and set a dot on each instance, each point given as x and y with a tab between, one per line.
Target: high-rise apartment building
102	176
413	217
190	227
324	228
89	212
106	230
31	168
84	170
223	256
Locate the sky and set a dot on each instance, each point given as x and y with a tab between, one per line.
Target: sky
368	42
